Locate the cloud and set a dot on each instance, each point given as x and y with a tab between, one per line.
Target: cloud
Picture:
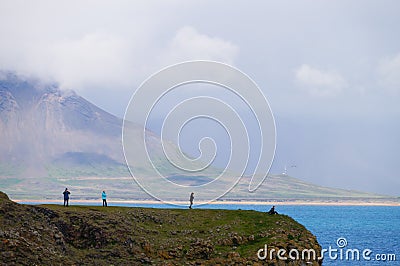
101	50
101	54
95	59
189	44
94	45
319	83
389	74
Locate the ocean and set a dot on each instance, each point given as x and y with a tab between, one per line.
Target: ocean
373	232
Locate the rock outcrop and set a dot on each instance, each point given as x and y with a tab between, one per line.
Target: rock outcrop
57	235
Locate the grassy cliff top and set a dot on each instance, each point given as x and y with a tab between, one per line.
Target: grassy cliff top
81	235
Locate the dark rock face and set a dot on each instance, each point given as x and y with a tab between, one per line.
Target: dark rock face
57	235
40	123
3	196
28	236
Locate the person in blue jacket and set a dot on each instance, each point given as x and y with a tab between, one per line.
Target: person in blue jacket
104	197
66	196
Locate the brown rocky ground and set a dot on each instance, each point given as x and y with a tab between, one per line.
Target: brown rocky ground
87	235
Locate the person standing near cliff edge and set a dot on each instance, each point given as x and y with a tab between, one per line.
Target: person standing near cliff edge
66	196
191	200
104	197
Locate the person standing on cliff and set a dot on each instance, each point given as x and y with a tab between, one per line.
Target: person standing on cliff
66	196
191	200
104	197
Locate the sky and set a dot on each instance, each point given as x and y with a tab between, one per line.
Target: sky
329	69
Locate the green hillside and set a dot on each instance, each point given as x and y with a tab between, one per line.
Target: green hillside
274	188
277	187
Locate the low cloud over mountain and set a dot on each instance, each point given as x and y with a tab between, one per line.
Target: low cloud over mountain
41	124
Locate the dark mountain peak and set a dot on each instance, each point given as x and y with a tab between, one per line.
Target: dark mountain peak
40	122
46	128
25	90
7	102
52	107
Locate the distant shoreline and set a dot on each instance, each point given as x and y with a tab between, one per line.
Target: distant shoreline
276	203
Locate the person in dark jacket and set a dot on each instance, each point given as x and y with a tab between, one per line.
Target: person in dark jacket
66	196
191	200
104	197
272	211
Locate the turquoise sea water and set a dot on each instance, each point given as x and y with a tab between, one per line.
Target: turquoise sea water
363	227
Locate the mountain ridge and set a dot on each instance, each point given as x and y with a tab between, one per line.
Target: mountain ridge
52	138
41	122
